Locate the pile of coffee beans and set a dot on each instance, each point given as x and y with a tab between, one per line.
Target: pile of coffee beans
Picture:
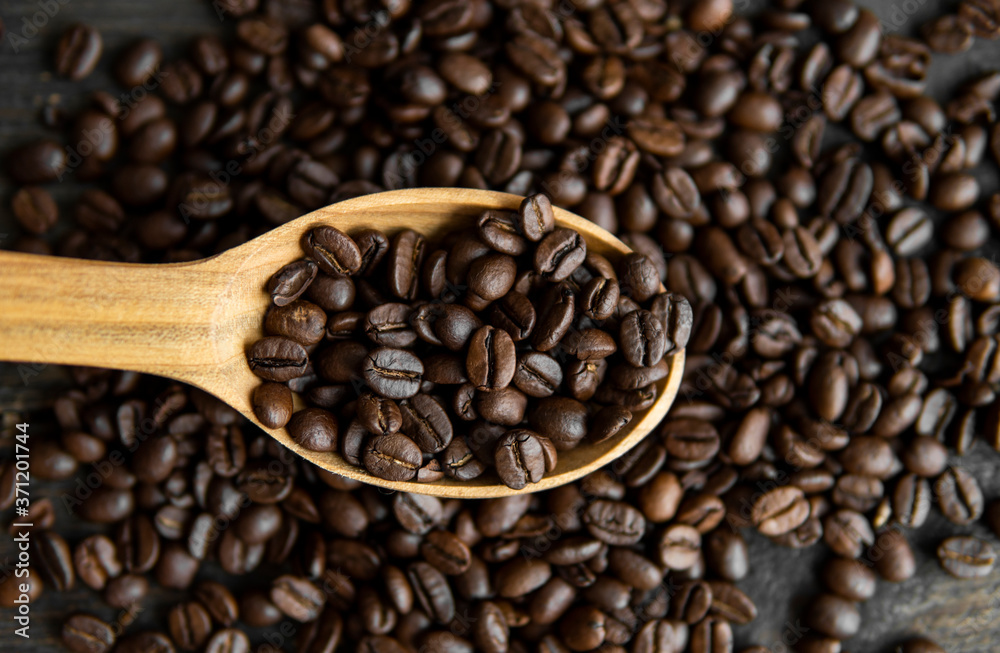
784	172
507	345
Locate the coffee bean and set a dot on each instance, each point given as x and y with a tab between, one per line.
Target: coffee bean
127	591
920	645
85	633
314	429
911	501
333	251
780	510
432	591
833	616
893	556
691	602
614	522
520	458
228	640
849	579
37	162
190	625
731	604
727	555
966	557
608	422
35	209
272	404
78	52
959	496
847	532
393	373
491	360
555	318
393	457
277	358
501	231
297	598
53	559
690	439
95	559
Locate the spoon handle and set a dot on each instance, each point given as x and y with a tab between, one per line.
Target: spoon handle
147	318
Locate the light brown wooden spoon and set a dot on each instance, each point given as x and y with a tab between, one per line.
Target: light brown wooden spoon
193	321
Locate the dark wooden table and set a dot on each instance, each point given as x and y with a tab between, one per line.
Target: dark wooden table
961	616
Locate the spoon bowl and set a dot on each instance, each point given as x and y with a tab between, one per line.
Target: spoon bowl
193	322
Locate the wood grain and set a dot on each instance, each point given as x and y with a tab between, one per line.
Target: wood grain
192	322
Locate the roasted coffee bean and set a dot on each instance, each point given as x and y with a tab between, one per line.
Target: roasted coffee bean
554	319
780	510
228	640
219	601
920	645
190	625
911	501
85	633
388	325
690	440
126	592
78	51
691	602
107	505
515	314
459	461
615	523
589	344
96	561
314	429
643	339
35	209
491	361
288	283
833	616
404	260
432	591
297	598
52	558
333	251
847	532
300	320
959	496
520	458
850	579
501	231
535	217
966	557
379	415
393	373
277	358
272	404
731	604
393	457
426	422
608	422
37	162
537	374
726	554
893	556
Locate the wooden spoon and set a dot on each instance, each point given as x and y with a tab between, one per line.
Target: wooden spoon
193	321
